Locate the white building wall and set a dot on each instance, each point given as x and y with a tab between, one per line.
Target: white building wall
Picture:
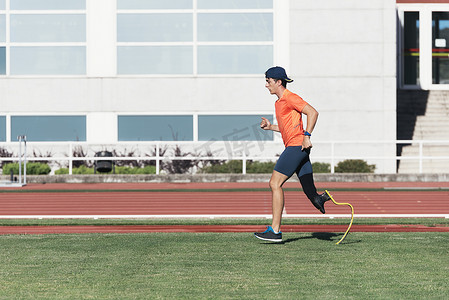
115	95
342	58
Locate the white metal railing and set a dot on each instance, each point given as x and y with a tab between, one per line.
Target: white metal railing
244	156
420	157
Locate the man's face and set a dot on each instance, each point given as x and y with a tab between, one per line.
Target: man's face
271	85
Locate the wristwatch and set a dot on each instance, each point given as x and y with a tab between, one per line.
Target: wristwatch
306	133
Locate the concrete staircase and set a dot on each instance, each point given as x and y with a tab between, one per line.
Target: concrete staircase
423	115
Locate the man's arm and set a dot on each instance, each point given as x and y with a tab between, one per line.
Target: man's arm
312	117
266	125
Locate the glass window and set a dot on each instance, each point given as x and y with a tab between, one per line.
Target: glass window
154	4
202	37
49	128
235	4
155	128
2	60
234	59
2	28
235	27
154	27
155	60
38	28
48	28
233	128
411	48
48	60
2	129
2	4
440	47
47	4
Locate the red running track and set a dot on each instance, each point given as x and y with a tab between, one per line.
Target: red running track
132	201
152	200
103	204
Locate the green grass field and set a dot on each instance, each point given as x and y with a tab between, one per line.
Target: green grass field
224	266
225	221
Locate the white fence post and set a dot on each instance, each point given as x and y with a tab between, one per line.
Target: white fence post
22	138
157	159
25	161
420	156
70	158
244	163
332	157
19	138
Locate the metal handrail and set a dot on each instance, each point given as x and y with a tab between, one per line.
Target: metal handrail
243	157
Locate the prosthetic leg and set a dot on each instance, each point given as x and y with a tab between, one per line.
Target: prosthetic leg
352	216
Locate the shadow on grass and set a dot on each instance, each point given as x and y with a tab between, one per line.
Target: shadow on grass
325	236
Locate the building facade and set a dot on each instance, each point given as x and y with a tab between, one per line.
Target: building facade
125	71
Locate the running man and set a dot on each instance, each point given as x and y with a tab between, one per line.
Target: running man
295	158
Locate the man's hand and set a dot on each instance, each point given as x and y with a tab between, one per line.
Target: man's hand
306	143
265	124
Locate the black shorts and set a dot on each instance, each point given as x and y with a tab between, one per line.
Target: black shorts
294	160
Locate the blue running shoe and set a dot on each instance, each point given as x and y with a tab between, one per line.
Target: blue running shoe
269	235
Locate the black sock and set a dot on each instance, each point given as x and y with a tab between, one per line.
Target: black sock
308	185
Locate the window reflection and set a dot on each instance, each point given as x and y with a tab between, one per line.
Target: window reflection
440	47
243	128
155	128
48	28
49	128
45	60
2	128
47	4
411	48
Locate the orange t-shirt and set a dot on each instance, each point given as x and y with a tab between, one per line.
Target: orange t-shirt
289	117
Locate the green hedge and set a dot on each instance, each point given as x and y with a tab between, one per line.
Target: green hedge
83	170
235	166
256	167
33	168
354	166
319	167
129	170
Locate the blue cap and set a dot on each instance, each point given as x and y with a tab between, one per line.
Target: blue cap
277	73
